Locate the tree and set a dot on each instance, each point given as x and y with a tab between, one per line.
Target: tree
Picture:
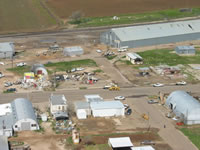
76	17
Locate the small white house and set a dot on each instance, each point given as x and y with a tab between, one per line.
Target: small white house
82	109
120	143
134	58
107	108
58	103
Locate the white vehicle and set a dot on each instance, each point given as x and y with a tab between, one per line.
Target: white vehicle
122	50
73	69
181	83
21	64
158	85
106	86
98	51
79	69
120	98
2	63
1	75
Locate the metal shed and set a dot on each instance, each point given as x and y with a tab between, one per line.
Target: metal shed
122	143
24	117
4	143
82	109
184	106
7	50
73	51
6	125
185	50
152	34
134	58
93	98
39	69
107	108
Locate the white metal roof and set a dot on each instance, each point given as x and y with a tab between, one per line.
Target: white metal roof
185	47
106	105
93	98
73	49
120	142
82	105
5	109
157	30
142	148
58	100
6	47
3	143
133	56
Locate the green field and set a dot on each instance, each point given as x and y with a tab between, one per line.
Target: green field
24	15
168	57
193	134
20	70
67	65
138	18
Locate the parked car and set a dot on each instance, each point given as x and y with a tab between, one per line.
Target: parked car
122	50
11	90
128	112
158	85
7	84
106	86
2	63
147	142
98	51
1	75
119	98
79	69
181	83
152	101
21	64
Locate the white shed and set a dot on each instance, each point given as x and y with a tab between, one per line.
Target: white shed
120	143
134	58
82	109
107	108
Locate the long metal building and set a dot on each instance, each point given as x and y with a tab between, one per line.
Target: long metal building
152	34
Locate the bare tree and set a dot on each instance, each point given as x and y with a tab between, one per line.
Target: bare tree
76	17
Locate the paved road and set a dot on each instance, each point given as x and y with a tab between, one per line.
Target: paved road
76	94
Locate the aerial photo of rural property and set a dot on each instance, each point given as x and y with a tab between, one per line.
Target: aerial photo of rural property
99	75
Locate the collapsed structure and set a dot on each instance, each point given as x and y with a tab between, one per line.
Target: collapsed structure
18	115
134	58
184	106
152	34
73	51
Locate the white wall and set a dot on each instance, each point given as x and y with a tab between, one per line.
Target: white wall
6	132
17	125
57	108
107	112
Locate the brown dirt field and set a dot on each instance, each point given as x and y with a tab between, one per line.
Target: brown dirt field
64	8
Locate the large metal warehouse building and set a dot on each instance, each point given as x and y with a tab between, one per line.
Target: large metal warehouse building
152	34
184	106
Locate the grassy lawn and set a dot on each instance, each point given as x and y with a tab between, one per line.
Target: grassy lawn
193	134
20	70
137	18
98	147
24	15
67	65
164	56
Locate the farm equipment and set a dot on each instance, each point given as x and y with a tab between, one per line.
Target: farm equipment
114	88
145	116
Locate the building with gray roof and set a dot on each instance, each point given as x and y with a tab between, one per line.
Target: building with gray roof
7	50
93	98
24	117
4	143
39	69
73	51
107	108
152	34
58	103
184	106
185	50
